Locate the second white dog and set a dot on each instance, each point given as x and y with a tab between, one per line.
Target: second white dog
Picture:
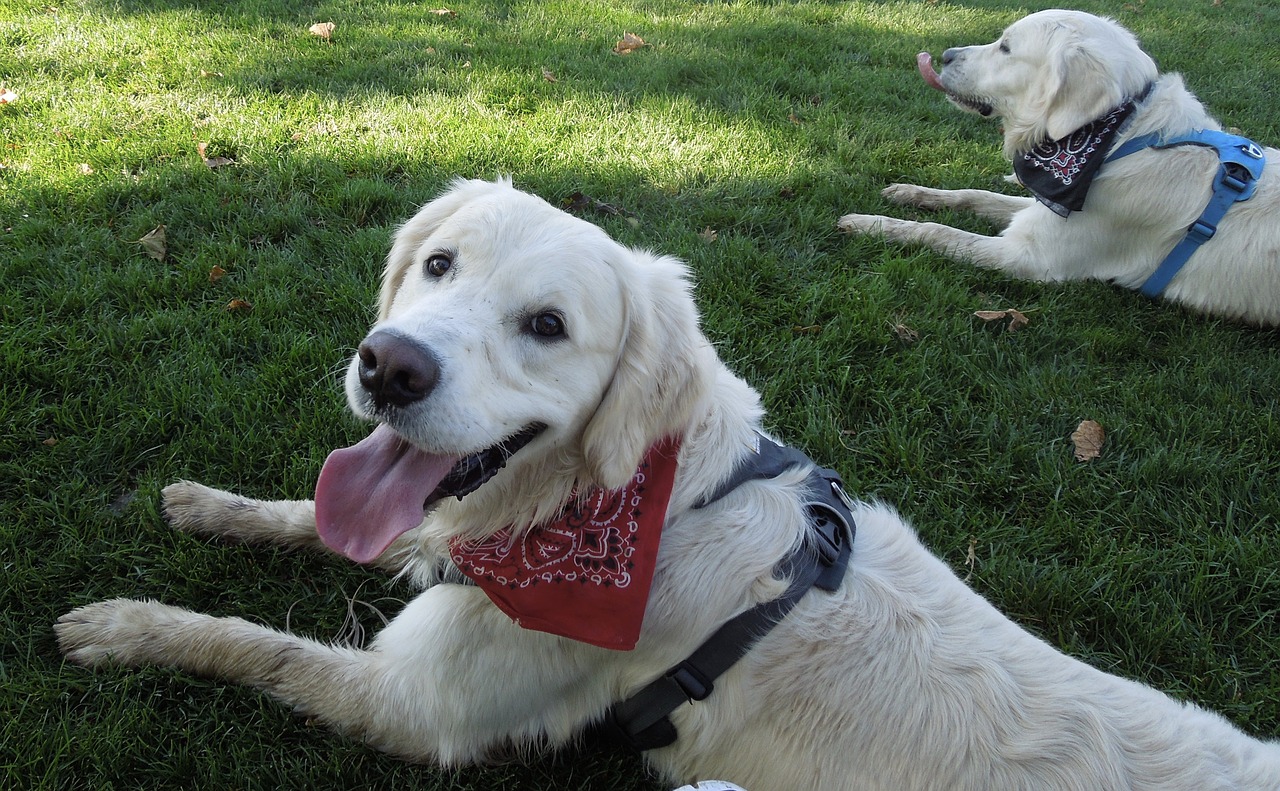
1055	77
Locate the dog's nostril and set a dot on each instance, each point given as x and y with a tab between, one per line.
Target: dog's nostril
395	370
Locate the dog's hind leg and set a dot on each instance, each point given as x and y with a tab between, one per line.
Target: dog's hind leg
992	205
194	508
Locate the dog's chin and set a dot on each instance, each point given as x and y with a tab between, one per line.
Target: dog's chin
971	104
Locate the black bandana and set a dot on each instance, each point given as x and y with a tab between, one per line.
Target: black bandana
1059	172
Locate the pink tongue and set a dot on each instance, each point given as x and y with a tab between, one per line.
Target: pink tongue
372	492
924	62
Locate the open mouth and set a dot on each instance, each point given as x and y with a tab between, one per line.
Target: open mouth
471	472
380	488
924	63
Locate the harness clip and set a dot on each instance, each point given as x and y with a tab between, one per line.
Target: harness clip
1201	231
694	684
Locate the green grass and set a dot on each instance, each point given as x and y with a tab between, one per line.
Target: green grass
763	121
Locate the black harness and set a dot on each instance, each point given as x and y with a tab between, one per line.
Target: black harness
642	720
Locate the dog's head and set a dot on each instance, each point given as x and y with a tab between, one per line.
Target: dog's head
510	332
1047	75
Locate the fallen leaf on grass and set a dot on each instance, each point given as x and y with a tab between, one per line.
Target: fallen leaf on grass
1087	439
630	43
548	75
238	305
810	329
323	29
7	96
50	442
85	169
444	12
709	234
905	333
212	162
216	273
578	203
1017	319
154	244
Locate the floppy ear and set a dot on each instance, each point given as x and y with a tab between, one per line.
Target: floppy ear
1092	73
410	236
663	370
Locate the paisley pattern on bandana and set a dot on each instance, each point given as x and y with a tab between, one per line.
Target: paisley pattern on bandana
586	574
1059	172
591	543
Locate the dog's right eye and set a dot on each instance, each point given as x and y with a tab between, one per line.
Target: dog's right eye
437	265
1004	47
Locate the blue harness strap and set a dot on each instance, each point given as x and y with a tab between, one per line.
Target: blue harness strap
1241	163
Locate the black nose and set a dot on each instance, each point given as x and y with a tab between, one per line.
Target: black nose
395	370
950	55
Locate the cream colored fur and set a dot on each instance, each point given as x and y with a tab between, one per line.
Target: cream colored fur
902	679
1062	70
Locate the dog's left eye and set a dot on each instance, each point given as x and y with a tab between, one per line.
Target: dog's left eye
547	325
1004	47
437	265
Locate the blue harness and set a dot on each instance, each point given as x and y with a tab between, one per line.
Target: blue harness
1242	161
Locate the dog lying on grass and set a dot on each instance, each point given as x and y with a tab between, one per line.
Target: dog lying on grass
524	364
1071	89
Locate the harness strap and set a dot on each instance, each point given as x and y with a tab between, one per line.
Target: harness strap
1241	163
643	721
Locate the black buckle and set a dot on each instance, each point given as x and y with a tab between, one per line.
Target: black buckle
691	680
1235	177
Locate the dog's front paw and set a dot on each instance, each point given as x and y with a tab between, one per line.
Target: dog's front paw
912	195
194	508
117	631
863	223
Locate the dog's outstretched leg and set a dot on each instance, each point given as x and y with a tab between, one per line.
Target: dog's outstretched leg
194	508
393	696
991	205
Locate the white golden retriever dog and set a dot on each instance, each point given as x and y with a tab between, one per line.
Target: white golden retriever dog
1049	77
504	320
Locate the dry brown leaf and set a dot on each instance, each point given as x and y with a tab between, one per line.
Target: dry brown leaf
1087	439
1017	319
795	119
548	75
239	305
444	12
51	441
154	243
630	43
216	273
709	234
905	333
212	162
811	329
323	29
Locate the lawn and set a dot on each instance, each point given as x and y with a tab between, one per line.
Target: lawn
277	163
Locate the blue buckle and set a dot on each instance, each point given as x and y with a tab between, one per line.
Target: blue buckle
1233	182
1201	231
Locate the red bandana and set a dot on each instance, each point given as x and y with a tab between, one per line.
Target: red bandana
585	575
